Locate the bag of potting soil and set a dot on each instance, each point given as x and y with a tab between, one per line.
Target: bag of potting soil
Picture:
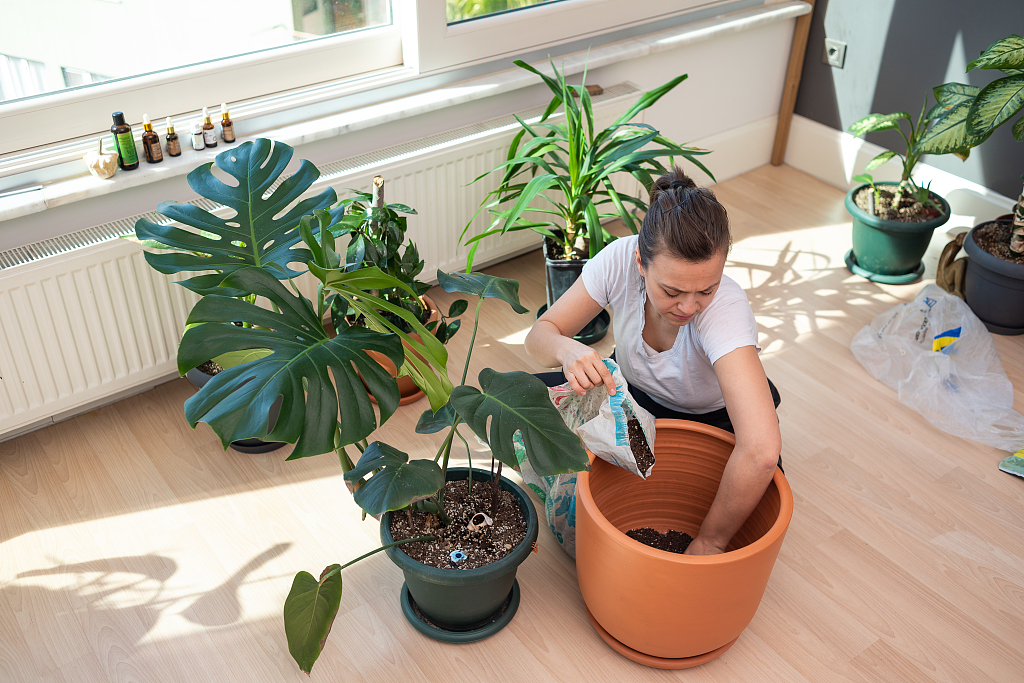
607	425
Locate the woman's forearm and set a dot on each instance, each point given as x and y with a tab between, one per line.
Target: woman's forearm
744	481
545	343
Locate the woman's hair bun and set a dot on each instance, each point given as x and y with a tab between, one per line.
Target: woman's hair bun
683	220
671	182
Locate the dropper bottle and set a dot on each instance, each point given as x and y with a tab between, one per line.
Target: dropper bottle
227	126
209	134
173	143
151	142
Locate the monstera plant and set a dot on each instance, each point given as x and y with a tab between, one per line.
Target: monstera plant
322	381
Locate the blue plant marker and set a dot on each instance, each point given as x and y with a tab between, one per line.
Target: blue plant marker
457	556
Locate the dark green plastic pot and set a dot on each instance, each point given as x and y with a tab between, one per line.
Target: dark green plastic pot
559	276
994	289
890	248
198	379
461	599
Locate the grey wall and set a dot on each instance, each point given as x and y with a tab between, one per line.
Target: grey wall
898	50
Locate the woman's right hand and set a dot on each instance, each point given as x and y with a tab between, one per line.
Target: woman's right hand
585	368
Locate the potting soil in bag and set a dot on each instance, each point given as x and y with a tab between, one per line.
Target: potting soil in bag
603	424
940	358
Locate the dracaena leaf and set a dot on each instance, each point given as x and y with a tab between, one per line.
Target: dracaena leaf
997	103
1007	53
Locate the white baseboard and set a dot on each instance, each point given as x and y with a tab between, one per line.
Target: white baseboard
736	151
834	157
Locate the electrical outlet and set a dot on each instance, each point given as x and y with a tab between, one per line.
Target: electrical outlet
835	52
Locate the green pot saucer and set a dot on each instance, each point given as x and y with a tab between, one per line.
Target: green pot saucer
905	279
488	627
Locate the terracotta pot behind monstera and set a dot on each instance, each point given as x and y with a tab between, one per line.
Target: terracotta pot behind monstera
659	608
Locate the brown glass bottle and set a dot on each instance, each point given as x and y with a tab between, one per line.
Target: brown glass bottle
209	134
124	142
227	126
173	143
151	142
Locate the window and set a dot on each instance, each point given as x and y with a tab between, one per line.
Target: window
139	56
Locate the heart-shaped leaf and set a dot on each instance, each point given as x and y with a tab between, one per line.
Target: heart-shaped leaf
484	286
263	230
518	402
309	612
315	374
398	484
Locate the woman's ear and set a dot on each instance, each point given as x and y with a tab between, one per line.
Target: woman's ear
639	263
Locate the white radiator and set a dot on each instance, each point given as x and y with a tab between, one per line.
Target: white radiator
85	321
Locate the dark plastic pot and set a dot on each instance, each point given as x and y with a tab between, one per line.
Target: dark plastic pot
889	251
994	288
464	600
198	379
560	275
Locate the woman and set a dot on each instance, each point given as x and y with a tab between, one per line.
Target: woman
686	341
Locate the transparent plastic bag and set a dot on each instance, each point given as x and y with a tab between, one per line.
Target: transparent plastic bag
601	422
943	363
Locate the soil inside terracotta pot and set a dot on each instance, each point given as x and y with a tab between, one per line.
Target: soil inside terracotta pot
891	207
488	544
995	239
555	250
638	444
209	368
671	541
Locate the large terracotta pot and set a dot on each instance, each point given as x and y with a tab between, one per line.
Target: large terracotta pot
659	608
407	388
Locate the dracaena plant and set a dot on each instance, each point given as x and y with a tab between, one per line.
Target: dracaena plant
560	173
967	115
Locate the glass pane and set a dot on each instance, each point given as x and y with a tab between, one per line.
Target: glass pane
49	46
462	10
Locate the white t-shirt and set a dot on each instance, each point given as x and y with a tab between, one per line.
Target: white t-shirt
683	377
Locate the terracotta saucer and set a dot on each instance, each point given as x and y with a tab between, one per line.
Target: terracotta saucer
652	661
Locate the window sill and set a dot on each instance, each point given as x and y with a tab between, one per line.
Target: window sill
65	191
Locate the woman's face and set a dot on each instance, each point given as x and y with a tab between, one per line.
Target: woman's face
680	289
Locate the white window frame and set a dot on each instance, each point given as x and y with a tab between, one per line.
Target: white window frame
73	113
443	47
419	42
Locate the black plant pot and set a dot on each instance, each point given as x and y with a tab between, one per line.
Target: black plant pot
464	605
198	378
560	275
994	288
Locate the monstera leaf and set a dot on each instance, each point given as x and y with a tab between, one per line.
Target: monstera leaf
518	402
303	362
483	286
309	612
261	232
399	481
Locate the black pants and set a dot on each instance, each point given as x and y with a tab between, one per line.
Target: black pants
716	418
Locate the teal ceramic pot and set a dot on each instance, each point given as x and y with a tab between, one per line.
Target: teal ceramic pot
461	600
890	248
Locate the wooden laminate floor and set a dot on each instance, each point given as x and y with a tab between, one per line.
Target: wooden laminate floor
134	549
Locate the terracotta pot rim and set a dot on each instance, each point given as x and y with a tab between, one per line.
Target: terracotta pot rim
777	530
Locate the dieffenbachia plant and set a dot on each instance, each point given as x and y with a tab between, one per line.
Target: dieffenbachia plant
967	115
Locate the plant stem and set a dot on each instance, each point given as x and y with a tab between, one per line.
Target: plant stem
374	552
472	341
494	491
469	458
